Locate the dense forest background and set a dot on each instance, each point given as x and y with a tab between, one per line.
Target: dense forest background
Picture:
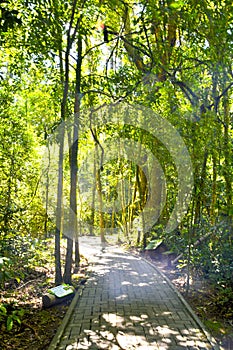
62	64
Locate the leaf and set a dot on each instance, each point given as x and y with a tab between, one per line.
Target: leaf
177	4
9	323
17	319
17	279
21	312
3	310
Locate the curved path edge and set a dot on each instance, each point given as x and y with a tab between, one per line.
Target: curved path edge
78	296
188	307
60	331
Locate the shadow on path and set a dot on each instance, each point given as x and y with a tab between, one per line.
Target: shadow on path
127	304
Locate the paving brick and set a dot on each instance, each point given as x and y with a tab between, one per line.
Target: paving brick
126	300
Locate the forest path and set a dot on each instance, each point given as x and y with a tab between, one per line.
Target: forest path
127	304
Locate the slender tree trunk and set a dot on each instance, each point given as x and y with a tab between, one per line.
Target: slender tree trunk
8	213
64	76
58	273
98	183
123	211
65	84
214	188
100	199
77	113
73	175
101	215
113	217
134	206
214	152
93	197
200	190
47	195
227	156
142	185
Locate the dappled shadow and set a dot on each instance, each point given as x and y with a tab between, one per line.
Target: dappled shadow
126	304
114	331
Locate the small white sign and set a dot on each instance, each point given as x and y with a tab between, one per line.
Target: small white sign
62	290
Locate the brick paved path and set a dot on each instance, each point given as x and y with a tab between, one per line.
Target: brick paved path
127	304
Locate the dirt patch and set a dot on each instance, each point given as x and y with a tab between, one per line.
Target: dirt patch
37	326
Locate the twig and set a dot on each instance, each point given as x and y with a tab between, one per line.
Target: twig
29	326
28	282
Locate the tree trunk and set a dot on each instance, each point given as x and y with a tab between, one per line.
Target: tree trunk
214	189
123	212
58	274
8	214
228	157
200	186
100	199
93	197
142	188
73	175
47	196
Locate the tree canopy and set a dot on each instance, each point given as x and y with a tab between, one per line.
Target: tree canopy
68	168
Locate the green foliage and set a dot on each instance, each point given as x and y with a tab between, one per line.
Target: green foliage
175	58
214	257
10	316
218	264
25	253
5	270
209	257
214	326
222	302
